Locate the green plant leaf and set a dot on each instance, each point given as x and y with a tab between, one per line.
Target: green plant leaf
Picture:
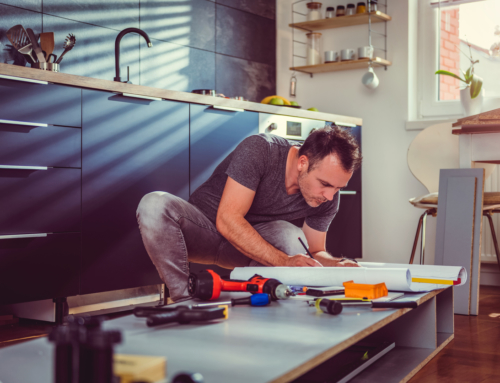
446	73
475	86
468	75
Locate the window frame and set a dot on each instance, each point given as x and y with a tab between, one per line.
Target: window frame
428	60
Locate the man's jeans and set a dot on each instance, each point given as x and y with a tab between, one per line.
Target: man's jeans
175	233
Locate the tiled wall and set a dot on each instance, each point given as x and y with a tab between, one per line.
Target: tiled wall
227	45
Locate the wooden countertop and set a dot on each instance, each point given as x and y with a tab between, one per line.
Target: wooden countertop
487	122
112	86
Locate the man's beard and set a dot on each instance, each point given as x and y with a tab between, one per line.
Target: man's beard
310	200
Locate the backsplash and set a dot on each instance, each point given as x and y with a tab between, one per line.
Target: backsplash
227	45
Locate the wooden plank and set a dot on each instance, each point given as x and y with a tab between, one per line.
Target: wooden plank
458	234
118	87
342	65
341	22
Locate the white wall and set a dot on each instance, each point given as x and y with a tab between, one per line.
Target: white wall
389	221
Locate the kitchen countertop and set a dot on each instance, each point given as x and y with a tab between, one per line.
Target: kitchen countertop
112	86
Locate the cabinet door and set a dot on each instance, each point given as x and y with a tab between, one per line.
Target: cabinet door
39	267
130	147
214	134
48	104
344	237
40	201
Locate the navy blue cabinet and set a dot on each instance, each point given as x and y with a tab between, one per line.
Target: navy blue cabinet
214	134
40	190
48	104
344	237
130	147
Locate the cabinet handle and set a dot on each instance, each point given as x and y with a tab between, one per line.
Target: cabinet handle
23	79
348	192
340	123
23	167
139	96
12	122
14	236
228	108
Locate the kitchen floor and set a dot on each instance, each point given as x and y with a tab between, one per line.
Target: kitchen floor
472	357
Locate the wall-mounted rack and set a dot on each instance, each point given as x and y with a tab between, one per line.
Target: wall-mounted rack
368	18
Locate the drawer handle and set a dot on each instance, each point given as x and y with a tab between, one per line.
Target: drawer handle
23	79
346	124
348	192
12	122
228	108
23	167
144	97
14	236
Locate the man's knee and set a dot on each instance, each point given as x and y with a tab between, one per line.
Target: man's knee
154	205
283	235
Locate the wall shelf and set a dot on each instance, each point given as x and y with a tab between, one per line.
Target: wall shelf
342	21
342	65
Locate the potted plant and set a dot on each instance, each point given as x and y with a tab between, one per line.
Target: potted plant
471	97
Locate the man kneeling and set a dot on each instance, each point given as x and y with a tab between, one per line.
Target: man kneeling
251	211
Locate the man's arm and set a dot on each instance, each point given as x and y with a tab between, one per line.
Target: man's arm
231	223
317	246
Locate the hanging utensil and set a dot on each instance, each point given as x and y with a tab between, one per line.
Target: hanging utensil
36	47
47	43
69	43
20	40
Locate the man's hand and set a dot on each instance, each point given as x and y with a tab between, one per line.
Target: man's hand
347	263
301	260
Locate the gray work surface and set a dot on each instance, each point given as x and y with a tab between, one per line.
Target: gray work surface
255	344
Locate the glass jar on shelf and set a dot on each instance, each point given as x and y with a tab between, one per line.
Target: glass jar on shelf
340	11
350	10
373	5
361	8
313	48
314	11
330	13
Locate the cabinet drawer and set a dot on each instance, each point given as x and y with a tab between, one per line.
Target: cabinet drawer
49	104
40	145
39	268
34	201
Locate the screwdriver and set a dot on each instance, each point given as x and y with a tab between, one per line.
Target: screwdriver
253	300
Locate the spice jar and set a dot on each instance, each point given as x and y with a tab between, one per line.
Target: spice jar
351	9
340	10
313	11
329	13
372	4
361	8
313	48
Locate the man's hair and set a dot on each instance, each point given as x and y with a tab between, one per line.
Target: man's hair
332	139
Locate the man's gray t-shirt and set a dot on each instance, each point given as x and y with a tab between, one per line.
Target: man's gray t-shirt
259	163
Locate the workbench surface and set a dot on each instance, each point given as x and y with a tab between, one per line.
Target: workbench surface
275	343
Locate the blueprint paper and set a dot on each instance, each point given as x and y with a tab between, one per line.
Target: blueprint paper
397	277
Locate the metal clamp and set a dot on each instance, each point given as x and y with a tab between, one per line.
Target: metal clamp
23	79
12	122
15	236
228	108
23	167
140	96
348	192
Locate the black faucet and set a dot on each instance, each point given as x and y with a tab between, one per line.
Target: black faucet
117	49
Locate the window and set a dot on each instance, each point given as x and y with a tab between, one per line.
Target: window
449	33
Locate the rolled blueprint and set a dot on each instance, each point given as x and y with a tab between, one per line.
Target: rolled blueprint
397	277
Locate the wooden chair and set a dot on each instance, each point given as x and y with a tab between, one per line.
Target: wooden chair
433	149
